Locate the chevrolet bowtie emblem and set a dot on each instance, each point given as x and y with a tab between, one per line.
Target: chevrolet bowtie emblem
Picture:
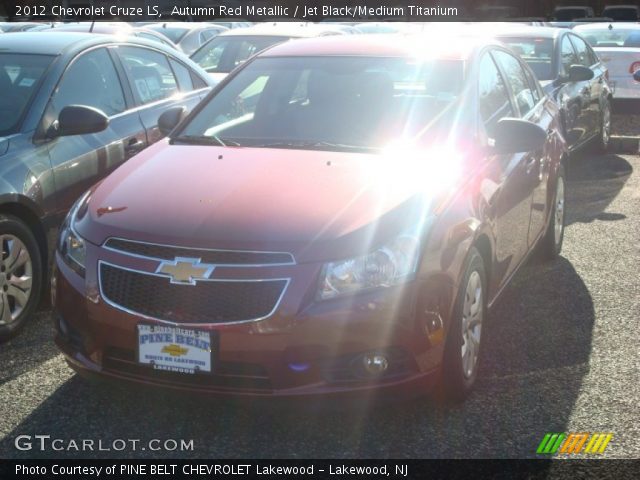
185	271
175	350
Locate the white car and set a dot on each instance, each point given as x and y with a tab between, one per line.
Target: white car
618	46
220	55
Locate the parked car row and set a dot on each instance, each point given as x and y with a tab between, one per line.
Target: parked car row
337	216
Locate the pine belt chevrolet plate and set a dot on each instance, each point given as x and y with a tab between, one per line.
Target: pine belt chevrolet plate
174	349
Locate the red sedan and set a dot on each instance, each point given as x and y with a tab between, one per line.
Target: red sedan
338	215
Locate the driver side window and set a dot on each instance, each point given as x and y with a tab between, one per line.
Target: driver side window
493	95
92	81
568	55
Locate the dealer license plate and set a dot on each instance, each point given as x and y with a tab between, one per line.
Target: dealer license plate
174	349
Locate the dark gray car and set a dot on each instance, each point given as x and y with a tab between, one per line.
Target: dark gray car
573	75
74	106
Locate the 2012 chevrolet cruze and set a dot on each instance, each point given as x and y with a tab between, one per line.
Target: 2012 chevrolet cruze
339	215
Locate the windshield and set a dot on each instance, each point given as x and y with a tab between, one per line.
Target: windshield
174	34
327	103
605	37
223	54
537	52
19	79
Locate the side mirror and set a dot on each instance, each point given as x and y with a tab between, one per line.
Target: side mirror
170	119
80	120
636	75
580	73
514	135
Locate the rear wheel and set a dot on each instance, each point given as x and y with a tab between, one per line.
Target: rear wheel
20	275
463	347
604	134
551	243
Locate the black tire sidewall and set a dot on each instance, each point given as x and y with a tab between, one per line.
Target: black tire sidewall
13	226
457	386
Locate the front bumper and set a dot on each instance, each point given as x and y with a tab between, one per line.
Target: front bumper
263	358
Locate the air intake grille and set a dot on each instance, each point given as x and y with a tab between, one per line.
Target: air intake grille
221	301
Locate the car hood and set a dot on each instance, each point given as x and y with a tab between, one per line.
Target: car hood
316	205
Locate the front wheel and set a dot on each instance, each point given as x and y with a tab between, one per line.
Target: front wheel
20	275
551	243
463	347
604	133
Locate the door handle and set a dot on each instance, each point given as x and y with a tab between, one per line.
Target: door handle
134	145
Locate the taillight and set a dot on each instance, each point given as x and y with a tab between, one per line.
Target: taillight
635	66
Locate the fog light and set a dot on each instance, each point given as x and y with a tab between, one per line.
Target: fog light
375	364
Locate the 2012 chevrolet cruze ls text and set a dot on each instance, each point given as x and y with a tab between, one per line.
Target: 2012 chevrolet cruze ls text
339	215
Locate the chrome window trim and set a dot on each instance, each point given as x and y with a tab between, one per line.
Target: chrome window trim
181	324
197	249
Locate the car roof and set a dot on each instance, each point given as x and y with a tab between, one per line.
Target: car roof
62	43
282	29
529	31
185	25
384	45
47	43
608	26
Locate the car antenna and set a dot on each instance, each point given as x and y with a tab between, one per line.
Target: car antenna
92	25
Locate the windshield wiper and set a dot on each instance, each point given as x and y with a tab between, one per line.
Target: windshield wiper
205	140
315	145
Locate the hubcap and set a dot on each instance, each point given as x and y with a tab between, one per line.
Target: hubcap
471	324
16	275
559	215
606	125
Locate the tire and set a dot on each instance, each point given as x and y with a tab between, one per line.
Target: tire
551	243
604	131
21	275
462	353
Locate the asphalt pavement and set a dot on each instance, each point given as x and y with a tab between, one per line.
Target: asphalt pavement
561	355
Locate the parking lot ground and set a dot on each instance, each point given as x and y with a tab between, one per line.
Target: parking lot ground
561	355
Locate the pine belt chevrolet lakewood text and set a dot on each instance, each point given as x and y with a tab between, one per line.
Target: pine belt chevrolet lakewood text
338	215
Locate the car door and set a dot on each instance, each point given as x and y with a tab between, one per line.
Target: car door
507	186
574	96
596	84
159	82
530	105
79	161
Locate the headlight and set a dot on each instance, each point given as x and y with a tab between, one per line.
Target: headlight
71	245
390	265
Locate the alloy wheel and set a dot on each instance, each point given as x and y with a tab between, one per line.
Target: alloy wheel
558	224
471	324
16	276
606	125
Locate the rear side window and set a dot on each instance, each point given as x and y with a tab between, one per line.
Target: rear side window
150	74
517	80
493	95
91	80
182	75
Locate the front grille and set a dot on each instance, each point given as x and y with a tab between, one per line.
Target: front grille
225	375
220	301
216	257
